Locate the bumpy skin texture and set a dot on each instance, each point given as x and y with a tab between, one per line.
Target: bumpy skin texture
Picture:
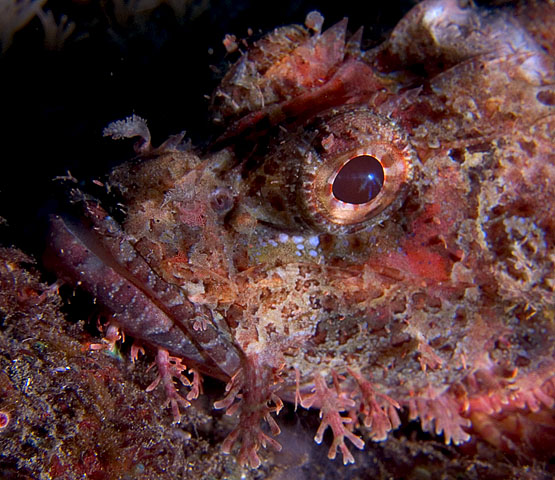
436	296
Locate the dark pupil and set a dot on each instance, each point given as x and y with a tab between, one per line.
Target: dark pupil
359	181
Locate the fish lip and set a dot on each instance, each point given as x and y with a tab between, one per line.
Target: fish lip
78	256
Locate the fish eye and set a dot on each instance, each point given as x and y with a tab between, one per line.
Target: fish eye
340	173
359	180
359	170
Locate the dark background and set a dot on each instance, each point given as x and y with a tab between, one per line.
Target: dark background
54	104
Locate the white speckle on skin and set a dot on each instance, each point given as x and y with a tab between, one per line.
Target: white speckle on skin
297	239
314	241
283	237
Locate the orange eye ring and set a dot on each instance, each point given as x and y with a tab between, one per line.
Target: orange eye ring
305	182
357	134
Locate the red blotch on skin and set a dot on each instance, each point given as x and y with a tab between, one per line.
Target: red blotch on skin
424	252
429	265
421	263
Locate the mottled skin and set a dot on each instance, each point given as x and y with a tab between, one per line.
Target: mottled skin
437	295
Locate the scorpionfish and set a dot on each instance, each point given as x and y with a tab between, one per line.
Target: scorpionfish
370	232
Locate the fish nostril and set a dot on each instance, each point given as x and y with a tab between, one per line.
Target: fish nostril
221	200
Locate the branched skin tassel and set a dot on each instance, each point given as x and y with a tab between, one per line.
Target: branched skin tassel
387	242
